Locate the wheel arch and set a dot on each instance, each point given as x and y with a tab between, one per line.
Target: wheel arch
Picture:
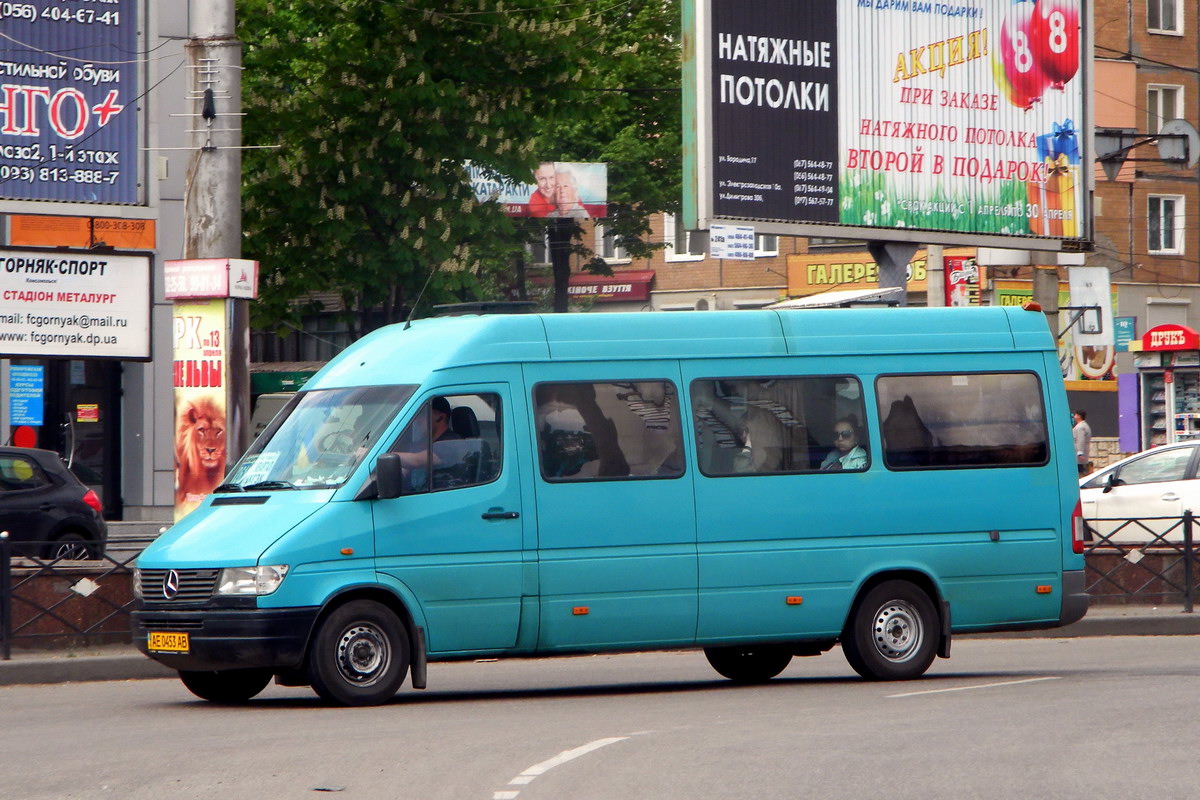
924	581
391	600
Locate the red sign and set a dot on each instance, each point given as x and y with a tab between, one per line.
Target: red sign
631	285
200	278
1171	337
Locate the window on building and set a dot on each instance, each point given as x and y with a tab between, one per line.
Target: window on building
606	431
678	240
765	245
1164	16
772	425
1165	218
608	245
1163	103
539	252
964	420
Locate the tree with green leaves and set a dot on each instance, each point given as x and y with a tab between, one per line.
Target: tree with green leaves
376	107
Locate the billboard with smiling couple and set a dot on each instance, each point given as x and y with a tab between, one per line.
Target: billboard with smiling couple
934	122
557	189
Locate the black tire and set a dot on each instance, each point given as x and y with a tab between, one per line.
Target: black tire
228	686
892	633
69	546
359	655
749	663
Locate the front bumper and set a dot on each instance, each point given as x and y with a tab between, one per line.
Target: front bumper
229	638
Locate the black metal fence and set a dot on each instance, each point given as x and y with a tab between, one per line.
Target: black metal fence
53	602
1148	560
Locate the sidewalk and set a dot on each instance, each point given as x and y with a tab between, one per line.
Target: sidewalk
123	662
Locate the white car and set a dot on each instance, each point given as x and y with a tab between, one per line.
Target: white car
1161	482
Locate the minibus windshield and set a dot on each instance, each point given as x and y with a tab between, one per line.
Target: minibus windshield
318	439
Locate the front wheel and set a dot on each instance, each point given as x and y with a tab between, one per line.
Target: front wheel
892	633
229	686
750	663
359	656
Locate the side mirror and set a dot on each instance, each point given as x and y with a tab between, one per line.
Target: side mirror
1111	482
389	476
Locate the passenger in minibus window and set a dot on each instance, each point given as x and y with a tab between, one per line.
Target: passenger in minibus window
847	453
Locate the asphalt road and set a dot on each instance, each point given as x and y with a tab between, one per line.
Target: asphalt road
1100	717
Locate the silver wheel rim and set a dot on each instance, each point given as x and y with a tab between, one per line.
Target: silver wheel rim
363	654
897	631
70	551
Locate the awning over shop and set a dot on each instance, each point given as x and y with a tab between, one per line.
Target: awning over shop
841	298
630	285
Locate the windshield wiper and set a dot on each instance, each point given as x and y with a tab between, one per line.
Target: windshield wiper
228	487
254	487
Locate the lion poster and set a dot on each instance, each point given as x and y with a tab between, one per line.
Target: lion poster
201	378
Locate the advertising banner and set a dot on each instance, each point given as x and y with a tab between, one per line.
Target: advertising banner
69	78
201	382
892	114
26	395
731	241
74	305
562	189
963	280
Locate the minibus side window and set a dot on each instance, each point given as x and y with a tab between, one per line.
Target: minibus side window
591	431
962	420
779	425
459	435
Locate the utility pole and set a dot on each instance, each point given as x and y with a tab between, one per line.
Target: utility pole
212	199
213	205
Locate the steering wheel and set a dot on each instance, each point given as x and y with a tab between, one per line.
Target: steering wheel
339	442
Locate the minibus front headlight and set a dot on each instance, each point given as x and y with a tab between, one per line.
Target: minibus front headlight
255	581
137	583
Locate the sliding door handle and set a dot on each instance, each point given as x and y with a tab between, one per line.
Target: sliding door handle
498	514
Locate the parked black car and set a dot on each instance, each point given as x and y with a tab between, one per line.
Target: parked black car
41	502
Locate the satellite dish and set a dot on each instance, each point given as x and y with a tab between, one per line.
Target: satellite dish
1178	149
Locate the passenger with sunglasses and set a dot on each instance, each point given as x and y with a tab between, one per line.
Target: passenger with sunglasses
847	452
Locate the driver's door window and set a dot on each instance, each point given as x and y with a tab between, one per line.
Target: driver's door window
454	441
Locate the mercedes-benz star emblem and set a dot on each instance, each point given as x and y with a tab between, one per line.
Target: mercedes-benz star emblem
171	585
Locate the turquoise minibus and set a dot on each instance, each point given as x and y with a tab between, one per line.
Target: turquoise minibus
758	485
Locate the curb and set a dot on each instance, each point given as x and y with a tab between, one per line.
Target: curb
39	668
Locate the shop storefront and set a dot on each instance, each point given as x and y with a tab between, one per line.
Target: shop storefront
1164	406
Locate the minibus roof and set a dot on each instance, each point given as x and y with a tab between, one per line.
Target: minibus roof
410	354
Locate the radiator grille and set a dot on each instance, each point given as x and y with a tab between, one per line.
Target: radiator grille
195	585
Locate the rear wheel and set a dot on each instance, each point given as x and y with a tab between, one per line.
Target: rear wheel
226	686
892	633
359	656
749	664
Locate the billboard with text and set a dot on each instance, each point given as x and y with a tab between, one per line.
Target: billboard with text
69	82
890	119
567	189
59	304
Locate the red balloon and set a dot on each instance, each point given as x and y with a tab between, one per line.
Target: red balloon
1055	33
1020	56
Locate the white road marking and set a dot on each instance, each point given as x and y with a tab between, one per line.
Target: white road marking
527	775
978	686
